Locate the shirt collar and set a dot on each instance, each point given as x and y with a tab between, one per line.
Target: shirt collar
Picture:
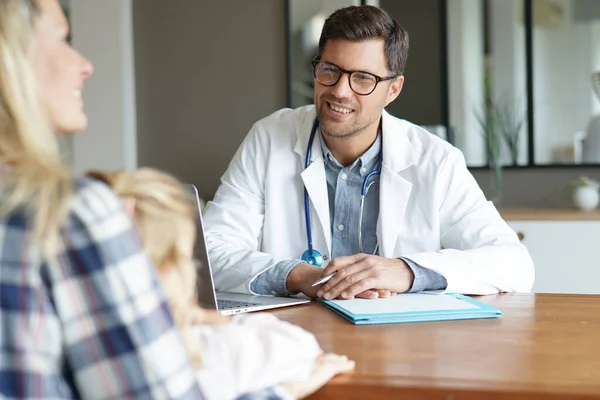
365	160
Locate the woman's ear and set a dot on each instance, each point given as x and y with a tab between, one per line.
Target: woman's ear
129	206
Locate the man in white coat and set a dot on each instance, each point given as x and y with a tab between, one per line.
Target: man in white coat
290	208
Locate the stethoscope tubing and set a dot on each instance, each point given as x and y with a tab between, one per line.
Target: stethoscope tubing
312	256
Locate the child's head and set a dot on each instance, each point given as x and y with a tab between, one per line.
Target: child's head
164	216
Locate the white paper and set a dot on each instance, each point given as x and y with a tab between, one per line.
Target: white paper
402	303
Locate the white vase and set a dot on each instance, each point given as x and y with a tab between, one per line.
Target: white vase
586	197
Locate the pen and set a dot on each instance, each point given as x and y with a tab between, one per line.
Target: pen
323	280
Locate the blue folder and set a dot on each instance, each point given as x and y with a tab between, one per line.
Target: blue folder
412	307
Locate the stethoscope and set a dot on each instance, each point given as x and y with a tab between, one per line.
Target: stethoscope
312	256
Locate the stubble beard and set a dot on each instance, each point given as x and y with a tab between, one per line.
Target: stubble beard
350	130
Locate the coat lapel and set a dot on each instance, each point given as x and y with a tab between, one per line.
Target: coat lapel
394	188
314	180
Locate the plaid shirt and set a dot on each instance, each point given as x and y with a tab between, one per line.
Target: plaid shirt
91	322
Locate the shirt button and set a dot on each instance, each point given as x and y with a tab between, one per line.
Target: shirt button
363	170
273	292
340	227
344	176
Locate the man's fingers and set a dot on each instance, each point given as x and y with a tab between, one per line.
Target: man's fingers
352	285
342	262
383	293
368	294
362	285
345	276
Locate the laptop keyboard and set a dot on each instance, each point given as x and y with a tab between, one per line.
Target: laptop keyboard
230	304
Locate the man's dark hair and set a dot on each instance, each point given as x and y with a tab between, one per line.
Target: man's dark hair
358	23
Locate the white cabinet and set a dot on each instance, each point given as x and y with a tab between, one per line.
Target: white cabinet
565	252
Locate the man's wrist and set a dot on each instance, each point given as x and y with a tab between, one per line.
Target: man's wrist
408	269
424	278
301	275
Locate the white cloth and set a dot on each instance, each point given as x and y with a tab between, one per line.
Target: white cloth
252	352
428	199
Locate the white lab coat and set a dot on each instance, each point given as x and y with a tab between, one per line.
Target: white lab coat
428	199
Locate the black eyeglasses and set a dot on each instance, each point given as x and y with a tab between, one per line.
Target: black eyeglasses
362	83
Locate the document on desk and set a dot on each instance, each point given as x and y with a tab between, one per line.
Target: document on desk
411	307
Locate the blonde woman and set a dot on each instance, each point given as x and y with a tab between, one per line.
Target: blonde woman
245	354
81	312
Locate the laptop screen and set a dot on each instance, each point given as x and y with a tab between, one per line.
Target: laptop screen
204	284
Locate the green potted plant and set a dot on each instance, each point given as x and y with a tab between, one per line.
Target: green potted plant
510	124
489	123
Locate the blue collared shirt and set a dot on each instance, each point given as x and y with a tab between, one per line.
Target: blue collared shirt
344	185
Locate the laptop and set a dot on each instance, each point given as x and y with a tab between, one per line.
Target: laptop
227	303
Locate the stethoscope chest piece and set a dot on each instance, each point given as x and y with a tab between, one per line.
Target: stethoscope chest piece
312	257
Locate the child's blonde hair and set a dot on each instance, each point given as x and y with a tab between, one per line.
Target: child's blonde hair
164	216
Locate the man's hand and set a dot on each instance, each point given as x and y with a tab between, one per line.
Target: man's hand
359	273
303	275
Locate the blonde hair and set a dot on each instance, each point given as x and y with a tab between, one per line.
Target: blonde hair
164	217
35	178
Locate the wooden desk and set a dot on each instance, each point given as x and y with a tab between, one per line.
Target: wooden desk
546	346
